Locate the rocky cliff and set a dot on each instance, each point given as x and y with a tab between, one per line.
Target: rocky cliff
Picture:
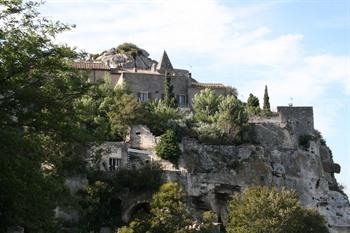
211	173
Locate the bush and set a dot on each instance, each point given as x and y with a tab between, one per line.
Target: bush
99	203
253	101
129	49
304	140
170	214
205	105
168	147
269	210
318	136
232	116
160	116
211	134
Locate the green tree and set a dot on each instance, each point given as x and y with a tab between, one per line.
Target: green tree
107	111
160	116
231	91
266	106
39	123
169	213
269	210
253	105
168	148
232	116
205	105
253	101
99	203
169	96
123	111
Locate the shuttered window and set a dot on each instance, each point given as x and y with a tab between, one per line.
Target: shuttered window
143	96
181	100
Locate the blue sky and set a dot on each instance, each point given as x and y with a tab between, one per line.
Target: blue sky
300	49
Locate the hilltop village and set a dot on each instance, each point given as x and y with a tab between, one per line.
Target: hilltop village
281	148
117	142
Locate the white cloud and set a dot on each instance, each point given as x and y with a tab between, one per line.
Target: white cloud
206	29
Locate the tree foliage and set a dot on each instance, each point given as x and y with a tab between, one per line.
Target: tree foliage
99	202
253	101
206	105
168	148
169	97
129	49
169	213
269	210
220	118
266	106
38	121
232	116
160	116
253	105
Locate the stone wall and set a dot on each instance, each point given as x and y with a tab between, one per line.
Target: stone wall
300	119
98	75
153	84
141	138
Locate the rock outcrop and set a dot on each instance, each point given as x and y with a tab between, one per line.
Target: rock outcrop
212	173
116	60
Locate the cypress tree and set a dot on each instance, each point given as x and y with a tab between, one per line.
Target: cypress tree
266	107
169	92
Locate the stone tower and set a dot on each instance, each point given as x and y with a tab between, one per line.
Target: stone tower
164	64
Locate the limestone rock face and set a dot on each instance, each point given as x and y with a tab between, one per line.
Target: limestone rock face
122	61
211	173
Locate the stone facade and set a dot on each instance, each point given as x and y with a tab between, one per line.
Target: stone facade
146	81
109	156
301	119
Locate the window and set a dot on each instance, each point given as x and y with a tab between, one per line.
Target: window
114	163
143	96
181	99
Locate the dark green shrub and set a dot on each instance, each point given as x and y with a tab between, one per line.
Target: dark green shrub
205	105
253	105
232	116
160	116
266	106
168	147
129	49
99	203
304	141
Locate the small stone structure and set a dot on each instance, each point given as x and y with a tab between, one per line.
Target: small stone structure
109	156
301	119
135	152
140	137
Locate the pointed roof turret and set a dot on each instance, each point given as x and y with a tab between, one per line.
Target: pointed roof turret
164	64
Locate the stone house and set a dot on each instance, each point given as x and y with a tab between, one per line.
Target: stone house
137	151
146	82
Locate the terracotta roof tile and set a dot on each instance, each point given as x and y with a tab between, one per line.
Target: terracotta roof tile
83	65
208	85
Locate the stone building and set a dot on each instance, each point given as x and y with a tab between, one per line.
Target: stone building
146	77
135	152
